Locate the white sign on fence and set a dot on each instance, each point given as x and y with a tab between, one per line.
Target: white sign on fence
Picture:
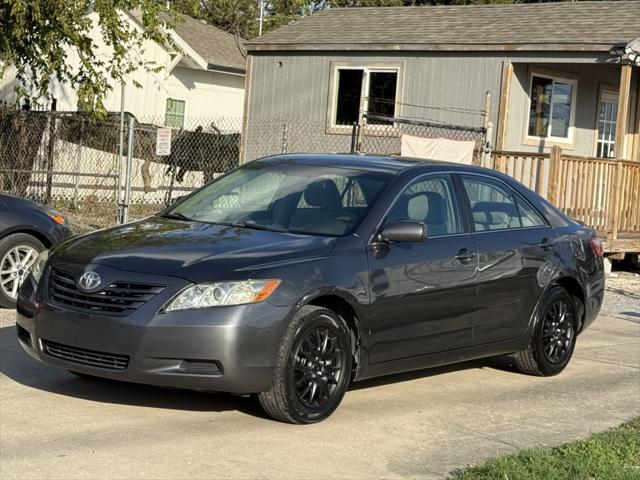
163	141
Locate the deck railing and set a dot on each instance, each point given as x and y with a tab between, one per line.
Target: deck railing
604	194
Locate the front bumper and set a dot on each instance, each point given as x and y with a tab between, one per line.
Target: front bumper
241	340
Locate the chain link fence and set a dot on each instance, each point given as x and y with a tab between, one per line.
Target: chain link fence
100	172
383	136
92	170
376	135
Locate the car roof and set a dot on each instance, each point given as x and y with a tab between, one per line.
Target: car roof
391	164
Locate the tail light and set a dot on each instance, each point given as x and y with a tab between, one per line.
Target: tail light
596	246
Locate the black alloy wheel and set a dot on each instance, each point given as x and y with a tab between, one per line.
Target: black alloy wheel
313	367
554	335
558	331
317	367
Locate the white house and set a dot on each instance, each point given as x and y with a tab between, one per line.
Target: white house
205	79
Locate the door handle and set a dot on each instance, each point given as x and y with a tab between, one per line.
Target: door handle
465	254
545	244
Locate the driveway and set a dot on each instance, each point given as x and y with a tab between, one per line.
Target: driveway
418	425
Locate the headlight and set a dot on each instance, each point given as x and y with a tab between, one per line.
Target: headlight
223	293
38	265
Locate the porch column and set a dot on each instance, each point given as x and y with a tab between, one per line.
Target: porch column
623	110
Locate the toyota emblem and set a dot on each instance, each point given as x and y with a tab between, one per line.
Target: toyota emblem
89	281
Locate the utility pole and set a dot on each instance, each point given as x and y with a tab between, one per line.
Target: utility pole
261	19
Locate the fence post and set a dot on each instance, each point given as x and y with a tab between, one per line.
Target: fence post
555	157
50	150
285	132
127	175
488	131
76	181
486	148
118	186
354	137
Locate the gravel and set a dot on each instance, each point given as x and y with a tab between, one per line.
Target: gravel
7	317
622	296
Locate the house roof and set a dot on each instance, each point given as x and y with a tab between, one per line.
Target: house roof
221	50
589	26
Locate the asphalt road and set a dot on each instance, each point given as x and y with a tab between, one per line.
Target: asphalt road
418	425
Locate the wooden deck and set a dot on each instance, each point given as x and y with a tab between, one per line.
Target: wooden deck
602	193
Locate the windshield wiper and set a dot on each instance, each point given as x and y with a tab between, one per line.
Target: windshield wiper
177	216
254	226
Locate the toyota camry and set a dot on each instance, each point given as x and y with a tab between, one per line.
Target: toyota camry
292	276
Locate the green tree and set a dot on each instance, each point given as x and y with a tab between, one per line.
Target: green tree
281	12
234	16
47	39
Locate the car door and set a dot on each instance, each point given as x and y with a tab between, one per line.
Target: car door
423	293
514	246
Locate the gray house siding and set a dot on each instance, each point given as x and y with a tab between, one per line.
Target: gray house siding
589	80
295	87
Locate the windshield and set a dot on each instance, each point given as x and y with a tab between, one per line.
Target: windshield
287	197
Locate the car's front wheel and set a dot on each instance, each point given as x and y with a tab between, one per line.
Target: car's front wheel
312	368
554	337
18	251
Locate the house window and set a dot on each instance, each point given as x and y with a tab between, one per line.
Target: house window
174	113
380	87
607	117
551	108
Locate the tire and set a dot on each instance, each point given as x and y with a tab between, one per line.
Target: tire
292	397
10	246
553	341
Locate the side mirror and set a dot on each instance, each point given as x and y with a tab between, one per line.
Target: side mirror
403	232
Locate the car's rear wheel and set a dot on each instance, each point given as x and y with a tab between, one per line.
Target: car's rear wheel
17	253
554	337
312	368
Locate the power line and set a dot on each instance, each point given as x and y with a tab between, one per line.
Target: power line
427	107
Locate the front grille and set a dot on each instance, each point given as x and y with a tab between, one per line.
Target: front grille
118	298
82	356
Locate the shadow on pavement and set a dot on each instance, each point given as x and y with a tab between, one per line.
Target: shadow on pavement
20	367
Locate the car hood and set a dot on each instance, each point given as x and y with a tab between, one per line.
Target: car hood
191	250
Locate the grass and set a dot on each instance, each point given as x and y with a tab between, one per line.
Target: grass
614	454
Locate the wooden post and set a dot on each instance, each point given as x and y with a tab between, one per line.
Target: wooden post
616	193
623	111
503	108
555	157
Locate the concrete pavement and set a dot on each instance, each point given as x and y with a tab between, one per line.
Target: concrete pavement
418	425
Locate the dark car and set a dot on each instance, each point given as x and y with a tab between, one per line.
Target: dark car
26	229
294	275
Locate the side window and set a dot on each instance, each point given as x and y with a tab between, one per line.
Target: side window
492	204
528	216
432	201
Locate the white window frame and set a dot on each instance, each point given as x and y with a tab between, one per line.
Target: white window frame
184	115
572	112
603	94
333	105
